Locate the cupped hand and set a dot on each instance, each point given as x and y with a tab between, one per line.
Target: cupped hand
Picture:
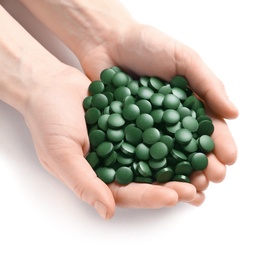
55	117
144	50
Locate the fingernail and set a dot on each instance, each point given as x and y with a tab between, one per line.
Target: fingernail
100	208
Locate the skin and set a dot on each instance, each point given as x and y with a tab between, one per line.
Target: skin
49	95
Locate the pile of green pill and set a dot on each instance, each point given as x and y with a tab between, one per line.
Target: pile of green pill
145	130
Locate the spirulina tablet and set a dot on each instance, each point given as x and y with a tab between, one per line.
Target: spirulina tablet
107	175
131	112
124	175
107	75
158	150
120	79
199	161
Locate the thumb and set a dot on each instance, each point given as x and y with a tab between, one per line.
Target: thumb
78	175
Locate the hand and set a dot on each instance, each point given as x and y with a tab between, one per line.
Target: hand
143	50
55	117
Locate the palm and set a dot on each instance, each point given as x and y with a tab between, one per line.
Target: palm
146	51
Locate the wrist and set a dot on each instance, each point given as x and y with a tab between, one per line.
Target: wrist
24	63
82	24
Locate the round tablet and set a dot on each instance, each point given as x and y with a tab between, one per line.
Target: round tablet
184	168
155	83
144	105
96	137
92	115
179	81
183	136
199	161
158	150
142	152
87	102
120	79
99	101
205	127
164	175
93	159
181	178
107	75
131	112
115	135
104	149
116	120
145	92
144	169
171	116
171	101
95	87
205	143
144	121
124	175
107	175
190	123
151	135
133	135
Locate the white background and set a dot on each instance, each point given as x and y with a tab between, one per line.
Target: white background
41	219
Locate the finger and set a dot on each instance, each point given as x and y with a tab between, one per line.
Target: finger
78	175
186	191
142	195
199	180
225	146
215	171
198	200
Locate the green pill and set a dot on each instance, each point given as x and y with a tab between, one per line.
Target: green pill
144	121
96	87
155	83
183	168
206	143
144	169
96	137
124	175
133	135
183	136
107	75
179	82
199	161
144	105
104	149
133	87
171	102
205	127
151	136
107	175
116	121
131	112
87	102
121	93
142	179
100	101
92	115
181	178
157	100
120	79
115	135
142	152
145	93
93	159
158	151
164	175
190	123
171	116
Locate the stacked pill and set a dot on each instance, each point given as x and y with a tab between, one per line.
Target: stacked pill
145	130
